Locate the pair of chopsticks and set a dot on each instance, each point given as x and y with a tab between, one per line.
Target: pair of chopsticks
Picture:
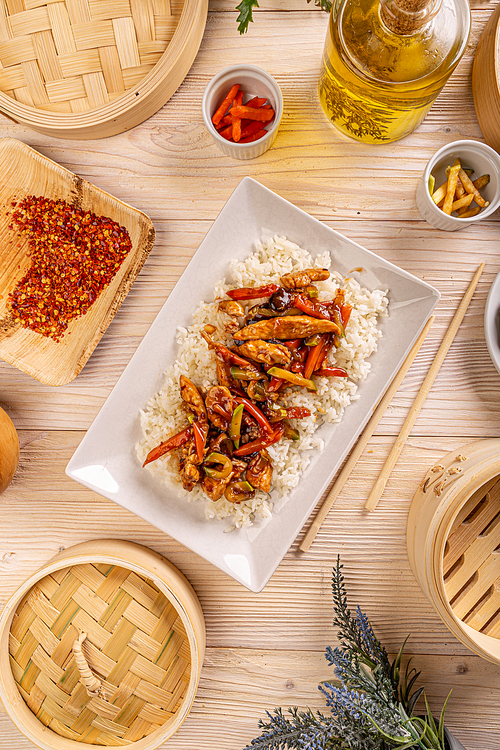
370	428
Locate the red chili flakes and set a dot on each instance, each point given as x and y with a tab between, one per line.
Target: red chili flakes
74	255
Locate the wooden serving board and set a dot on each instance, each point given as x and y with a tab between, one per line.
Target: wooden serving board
26	172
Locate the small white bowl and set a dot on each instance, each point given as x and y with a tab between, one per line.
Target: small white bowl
474	154
255	82
492	322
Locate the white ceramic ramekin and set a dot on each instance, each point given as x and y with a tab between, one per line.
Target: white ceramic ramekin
479	157
255	82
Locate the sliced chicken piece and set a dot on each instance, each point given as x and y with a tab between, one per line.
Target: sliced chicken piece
260	471
223	372
193	398
263	351
214	488
291	327
220	404
188	465
231	307
300	279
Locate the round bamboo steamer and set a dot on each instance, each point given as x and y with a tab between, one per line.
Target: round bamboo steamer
143	642
9	450
452	536
486	81
94	68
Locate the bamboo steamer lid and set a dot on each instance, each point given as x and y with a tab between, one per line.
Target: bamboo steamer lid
453	535
94	68
486	81
9	450
103	646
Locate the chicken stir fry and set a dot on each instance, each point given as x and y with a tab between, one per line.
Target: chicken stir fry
282	341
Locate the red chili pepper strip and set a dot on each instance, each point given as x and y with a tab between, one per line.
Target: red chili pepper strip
314	309
200	437
263	114
233	357
345	313
221	111
227	133
332	372
253	292
297	412
253	127
255	137
237	120
260	443
256	102
274	384
256	413
226	354
227	120
173	442
315	354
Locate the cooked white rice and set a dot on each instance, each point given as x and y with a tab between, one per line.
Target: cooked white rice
163	416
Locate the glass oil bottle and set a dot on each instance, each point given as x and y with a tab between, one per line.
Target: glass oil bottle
385	62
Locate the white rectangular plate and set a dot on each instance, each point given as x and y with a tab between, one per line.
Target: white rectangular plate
106	460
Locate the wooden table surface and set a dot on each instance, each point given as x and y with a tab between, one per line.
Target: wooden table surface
266	650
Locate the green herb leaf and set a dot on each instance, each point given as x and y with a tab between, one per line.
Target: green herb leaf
325	5
246	14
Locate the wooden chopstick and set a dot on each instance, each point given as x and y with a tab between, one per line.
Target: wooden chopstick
450	334
363	440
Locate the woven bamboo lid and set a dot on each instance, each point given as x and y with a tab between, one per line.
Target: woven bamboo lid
92	68
105	645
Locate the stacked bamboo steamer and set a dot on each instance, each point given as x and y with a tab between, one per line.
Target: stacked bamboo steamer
486	81
93	68
453	539
103	646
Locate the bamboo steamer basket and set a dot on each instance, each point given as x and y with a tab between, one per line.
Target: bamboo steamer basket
93	68
453	540
486	81
9	450
134	677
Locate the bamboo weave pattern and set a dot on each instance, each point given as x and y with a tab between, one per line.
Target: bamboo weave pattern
471	563
77	55
136	644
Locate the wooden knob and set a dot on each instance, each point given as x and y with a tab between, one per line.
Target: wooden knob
9	450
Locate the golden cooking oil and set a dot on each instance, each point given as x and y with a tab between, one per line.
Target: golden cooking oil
385	62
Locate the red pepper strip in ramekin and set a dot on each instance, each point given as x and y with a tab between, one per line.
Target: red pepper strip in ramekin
173	442
256	413
228	100
260	443
253	292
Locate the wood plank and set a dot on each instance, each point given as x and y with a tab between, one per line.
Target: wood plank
169	168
